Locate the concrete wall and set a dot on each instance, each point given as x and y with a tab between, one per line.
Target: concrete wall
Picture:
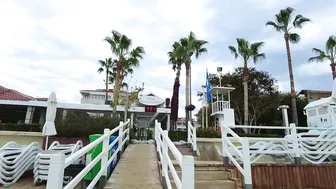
19	137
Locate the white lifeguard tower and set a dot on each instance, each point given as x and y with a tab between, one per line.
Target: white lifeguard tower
322	113
220	105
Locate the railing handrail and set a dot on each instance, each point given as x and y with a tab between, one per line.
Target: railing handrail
296	145
58	162
163	146
192	137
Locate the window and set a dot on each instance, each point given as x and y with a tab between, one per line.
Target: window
323	110
311	113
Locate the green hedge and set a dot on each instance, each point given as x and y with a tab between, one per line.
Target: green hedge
177	135
213	133
22	127
76	124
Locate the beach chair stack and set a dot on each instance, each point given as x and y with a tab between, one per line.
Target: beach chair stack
15	160
42	160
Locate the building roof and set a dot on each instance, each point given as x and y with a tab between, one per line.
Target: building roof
10	94
314	91
320	103
98	90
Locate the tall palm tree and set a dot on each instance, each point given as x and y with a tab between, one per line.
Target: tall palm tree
284	24
328	54
106	65
185	49
246	53
176	63
121	47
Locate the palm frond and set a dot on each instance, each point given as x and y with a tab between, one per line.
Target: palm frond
294	38
233	51
300	20
100	70
275	26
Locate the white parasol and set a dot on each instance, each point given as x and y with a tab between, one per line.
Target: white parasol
49	126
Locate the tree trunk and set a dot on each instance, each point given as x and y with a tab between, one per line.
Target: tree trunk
116	89
106	83
187	92
245	79
291	78
333	71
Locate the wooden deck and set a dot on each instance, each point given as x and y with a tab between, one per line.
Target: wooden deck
137	169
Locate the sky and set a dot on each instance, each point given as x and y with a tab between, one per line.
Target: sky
55	45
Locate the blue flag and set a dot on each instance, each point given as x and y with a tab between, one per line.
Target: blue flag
207	84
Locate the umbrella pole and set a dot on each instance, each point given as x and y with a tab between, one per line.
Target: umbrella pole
46	143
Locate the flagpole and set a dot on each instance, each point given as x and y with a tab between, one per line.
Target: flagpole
206	104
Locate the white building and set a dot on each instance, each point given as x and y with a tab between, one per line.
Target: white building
96	96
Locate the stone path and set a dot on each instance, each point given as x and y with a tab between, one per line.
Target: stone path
137	169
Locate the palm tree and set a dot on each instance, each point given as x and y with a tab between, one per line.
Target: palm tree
176	63
106	65
246	53
329	54
284	23
121	47
185	49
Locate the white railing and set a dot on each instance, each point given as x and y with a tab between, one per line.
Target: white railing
219	106
314	146
58	162
192	137
163	146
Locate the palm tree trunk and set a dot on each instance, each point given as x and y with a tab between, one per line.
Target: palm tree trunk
333	70
245	79
187	91
106	83
291	78
116	89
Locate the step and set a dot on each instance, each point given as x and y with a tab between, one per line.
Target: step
211	184
208	175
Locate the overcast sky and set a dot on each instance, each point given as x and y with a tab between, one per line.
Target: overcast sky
54	45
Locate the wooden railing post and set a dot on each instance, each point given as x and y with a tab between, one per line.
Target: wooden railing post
106	141
189	133
194	141
247	164
296	149
226	160
56	171
120	134
164	160
188	172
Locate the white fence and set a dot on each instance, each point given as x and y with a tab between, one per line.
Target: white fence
163	146
314	146
192	137
58	161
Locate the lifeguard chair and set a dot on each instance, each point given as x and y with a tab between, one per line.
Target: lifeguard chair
220	105
322	113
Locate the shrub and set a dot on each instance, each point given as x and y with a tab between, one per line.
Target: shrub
83	125
213	133
207	133
22	127
177	135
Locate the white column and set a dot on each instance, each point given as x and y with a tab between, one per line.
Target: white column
168	122
29	115
64	114
42	116
132	119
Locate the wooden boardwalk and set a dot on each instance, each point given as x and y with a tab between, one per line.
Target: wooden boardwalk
137	169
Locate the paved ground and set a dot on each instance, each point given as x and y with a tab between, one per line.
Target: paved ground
137	169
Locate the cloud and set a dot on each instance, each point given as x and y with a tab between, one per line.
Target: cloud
313	69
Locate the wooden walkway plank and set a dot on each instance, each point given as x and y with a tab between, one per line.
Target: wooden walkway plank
137	169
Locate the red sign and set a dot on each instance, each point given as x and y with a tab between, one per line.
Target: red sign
150	108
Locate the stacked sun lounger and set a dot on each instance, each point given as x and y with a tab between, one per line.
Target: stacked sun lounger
42	160
15	160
